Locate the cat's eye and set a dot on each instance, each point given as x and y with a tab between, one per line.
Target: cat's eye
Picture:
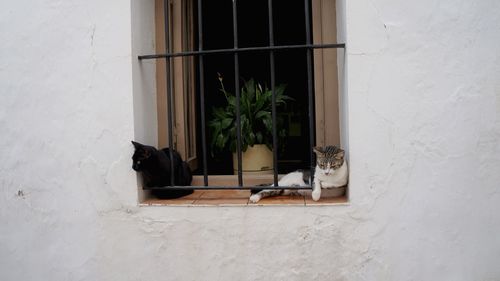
138	162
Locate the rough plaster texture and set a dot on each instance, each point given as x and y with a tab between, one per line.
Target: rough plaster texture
421	108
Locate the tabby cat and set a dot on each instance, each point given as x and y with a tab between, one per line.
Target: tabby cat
155	168
330	172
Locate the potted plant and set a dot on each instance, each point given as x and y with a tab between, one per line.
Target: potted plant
256	125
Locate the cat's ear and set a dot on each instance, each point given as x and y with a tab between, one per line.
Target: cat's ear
147	153
340	154
318	150
136	144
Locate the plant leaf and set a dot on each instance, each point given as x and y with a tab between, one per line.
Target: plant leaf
261	114
258	137
226	122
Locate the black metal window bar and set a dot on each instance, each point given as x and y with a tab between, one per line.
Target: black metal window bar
271	49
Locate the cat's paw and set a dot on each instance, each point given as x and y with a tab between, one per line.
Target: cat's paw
255	198
316	194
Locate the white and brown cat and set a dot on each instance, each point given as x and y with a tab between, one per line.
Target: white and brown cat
331	172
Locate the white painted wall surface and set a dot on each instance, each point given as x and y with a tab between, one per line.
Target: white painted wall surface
423	108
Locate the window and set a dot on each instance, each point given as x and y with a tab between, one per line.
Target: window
201	37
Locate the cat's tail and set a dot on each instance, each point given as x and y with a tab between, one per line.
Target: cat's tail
257	190
170	194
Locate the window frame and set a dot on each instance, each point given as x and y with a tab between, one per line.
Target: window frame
326	89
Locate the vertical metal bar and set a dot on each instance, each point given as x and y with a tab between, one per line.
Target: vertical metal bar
237	90
273	89
168	66
202	94
312	130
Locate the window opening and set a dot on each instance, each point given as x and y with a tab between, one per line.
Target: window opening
240	50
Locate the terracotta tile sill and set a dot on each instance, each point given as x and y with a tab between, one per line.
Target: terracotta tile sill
240	198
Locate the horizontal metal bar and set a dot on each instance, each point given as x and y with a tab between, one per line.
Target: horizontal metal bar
241	50
225	187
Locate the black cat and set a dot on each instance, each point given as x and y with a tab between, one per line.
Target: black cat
155	167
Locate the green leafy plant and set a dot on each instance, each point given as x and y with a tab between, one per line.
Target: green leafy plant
255	116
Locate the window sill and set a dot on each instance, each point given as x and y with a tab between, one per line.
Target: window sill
240	198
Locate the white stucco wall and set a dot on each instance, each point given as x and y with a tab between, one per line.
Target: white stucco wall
423	132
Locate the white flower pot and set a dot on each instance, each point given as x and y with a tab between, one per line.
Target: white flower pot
257	160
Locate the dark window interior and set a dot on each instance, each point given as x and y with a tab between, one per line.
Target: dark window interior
291	69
